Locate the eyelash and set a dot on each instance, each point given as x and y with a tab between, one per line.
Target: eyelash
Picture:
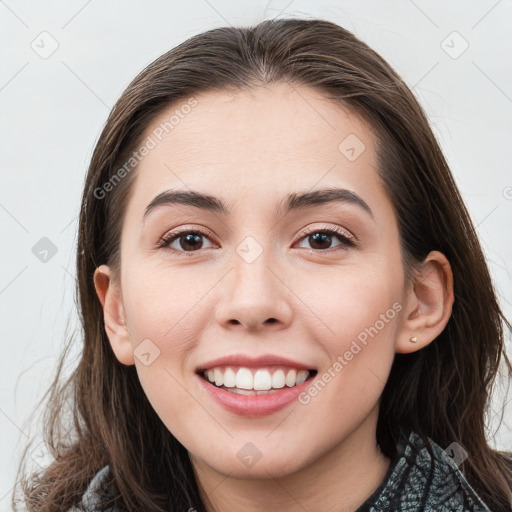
346	242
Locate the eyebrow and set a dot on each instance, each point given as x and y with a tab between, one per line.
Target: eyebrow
292	202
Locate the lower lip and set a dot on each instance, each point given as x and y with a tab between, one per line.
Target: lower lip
254	405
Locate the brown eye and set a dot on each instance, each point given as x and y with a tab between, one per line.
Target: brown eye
322	239
190	241
184	241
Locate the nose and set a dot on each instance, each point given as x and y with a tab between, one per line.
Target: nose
256	295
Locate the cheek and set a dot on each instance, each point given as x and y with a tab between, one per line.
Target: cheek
162	309
163	305
345	302
359	315
360	353
168	393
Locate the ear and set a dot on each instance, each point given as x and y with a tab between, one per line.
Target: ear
113	314
429	301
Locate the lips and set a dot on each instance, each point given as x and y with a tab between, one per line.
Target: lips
254	362
251	386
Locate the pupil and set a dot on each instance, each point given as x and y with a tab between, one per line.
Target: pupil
193	240
323	236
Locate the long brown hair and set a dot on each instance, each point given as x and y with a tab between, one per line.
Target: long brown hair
441	391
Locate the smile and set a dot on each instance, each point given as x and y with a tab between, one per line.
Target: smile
256	381
235	389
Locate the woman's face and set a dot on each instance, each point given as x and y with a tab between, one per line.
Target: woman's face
262	277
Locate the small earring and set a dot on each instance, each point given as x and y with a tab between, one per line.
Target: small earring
413	340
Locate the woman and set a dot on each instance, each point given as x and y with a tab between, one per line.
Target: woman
285	304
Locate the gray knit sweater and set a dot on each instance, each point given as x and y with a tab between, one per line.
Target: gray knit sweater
414	482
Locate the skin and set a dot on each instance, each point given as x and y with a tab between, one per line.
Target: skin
317	456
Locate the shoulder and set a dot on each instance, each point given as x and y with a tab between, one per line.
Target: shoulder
98	488
417	480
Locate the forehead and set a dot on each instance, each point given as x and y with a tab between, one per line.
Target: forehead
274	138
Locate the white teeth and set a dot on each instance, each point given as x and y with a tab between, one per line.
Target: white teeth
301	377
249	391
244	379
290	378
229	378
263	381
242	391
278	379
219	376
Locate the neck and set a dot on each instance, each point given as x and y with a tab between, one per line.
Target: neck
341	480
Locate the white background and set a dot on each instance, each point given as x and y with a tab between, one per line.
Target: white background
52	111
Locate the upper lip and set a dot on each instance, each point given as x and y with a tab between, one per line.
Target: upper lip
253	362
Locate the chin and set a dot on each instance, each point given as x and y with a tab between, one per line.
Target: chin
249	467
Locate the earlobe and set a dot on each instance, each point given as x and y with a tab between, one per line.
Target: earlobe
110	298
428	304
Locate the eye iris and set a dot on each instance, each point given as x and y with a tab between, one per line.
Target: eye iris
320	237
194	240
